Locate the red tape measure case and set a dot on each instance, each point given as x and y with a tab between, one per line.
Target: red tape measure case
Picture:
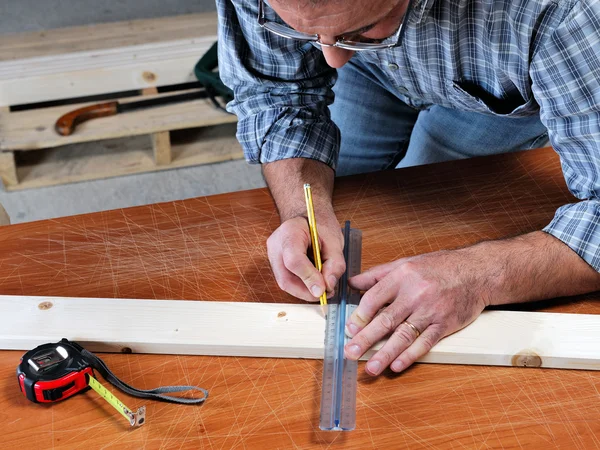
53	372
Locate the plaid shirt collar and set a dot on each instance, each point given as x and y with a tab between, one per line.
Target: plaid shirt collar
420	9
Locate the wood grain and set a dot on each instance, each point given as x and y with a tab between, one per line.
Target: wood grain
213	248
176	327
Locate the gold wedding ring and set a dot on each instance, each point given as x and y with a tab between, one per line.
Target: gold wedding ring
417	332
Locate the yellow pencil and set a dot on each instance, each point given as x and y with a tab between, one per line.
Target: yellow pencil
314	237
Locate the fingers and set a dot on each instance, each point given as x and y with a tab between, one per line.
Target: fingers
287	281
372	301
422	345
295	260
369	278
334	264
295	273
401	339
389	321
404	346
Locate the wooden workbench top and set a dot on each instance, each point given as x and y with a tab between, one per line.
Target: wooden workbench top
213	248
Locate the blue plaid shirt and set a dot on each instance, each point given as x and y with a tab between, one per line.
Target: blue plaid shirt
534	55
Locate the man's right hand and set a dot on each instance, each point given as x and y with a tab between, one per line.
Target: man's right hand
289	245
295	273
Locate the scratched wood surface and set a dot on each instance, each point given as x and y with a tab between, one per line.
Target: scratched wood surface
214	249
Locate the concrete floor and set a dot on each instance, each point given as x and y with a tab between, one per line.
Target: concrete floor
32	15
134	190
52	202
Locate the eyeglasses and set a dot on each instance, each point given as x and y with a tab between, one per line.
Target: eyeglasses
346	44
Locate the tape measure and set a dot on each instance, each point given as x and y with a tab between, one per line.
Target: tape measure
54	372
338	394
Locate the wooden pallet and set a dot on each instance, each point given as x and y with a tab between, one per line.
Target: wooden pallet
118	157
126	61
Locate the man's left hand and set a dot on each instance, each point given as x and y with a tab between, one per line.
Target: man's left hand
436	294
431	296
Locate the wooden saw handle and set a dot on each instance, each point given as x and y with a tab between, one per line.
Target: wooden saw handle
66	124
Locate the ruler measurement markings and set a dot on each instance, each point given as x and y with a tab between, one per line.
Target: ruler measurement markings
338	397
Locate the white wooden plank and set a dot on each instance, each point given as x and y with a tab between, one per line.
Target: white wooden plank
106	35
79	74
499	338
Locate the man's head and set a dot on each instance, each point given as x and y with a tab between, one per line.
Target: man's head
331	19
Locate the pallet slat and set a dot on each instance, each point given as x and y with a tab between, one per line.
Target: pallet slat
112	158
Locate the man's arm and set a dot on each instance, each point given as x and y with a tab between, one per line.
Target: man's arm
441	292
288	245
282	90
565	72
286	176
537	266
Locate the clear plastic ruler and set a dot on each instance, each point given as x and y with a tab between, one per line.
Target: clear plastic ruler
338	395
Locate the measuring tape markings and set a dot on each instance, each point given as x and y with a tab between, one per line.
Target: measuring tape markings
338	396
135	419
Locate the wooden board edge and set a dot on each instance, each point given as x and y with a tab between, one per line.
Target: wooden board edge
241	329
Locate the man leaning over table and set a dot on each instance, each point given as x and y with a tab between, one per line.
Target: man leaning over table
415	83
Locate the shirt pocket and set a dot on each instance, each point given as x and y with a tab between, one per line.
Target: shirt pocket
470	97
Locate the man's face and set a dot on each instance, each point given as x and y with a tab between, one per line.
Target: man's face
373	19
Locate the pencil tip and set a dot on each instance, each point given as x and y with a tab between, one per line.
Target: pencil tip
324	311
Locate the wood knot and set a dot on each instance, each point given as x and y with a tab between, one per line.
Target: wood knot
527	359
149	77
45	306
281	314
126	350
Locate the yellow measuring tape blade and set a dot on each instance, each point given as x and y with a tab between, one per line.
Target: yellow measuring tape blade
135	419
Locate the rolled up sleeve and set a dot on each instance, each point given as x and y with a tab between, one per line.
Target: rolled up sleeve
565	72
282	89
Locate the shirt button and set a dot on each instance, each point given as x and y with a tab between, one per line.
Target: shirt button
393	66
